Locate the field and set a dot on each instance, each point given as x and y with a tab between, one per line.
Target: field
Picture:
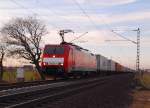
28	76
141	95
145	80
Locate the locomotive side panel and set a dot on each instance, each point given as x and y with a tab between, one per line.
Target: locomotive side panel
98	63
70	61
84	61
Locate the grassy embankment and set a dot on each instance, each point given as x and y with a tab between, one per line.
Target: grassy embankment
145	80
28	76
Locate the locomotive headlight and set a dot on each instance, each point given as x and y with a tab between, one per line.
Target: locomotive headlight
61	64
45	63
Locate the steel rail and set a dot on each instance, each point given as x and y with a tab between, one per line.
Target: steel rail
13	95
39	100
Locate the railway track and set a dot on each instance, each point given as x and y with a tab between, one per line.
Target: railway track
40	95
7	86
25	84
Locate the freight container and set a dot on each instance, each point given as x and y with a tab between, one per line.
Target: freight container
119	67
111	66
101	63
126	69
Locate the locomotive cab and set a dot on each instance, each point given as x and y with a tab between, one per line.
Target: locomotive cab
53	60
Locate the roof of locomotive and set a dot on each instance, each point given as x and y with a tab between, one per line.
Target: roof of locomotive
70	44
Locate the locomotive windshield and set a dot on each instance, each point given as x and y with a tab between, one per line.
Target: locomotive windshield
54	50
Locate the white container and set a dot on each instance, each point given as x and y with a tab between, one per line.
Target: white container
111	65
103	63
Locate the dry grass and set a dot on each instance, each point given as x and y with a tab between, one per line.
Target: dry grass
9	77
145	80
141	99
28	76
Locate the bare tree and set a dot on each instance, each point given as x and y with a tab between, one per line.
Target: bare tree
2	54
24	36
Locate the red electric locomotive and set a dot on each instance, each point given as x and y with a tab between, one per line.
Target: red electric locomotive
67	59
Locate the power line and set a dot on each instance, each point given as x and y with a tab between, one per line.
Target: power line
84	12
117	34
124	37
79	36
54	12
138	35
19	4
22	6
138	48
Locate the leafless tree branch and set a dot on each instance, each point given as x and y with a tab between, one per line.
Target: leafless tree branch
25	35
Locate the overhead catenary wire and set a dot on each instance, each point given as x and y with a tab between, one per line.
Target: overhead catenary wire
79	36
117	34
124	37
22	6
85	13
55	13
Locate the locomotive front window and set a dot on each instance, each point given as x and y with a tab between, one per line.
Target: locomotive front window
53	50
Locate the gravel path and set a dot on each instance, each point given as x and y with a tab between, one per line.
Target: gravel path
114	94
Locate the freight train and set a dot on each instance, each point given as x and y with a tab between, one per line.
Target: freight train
67	59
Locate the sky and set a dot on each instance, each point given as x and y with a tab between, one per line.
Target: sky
97	17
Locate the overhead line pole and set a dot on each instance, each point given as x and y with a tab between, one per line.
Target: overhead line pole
138	51
137	42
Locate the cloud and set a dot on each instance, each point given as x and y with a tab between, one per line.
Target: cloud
111	2
91	37
95	37
62	18
134	16
103	19
106	2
